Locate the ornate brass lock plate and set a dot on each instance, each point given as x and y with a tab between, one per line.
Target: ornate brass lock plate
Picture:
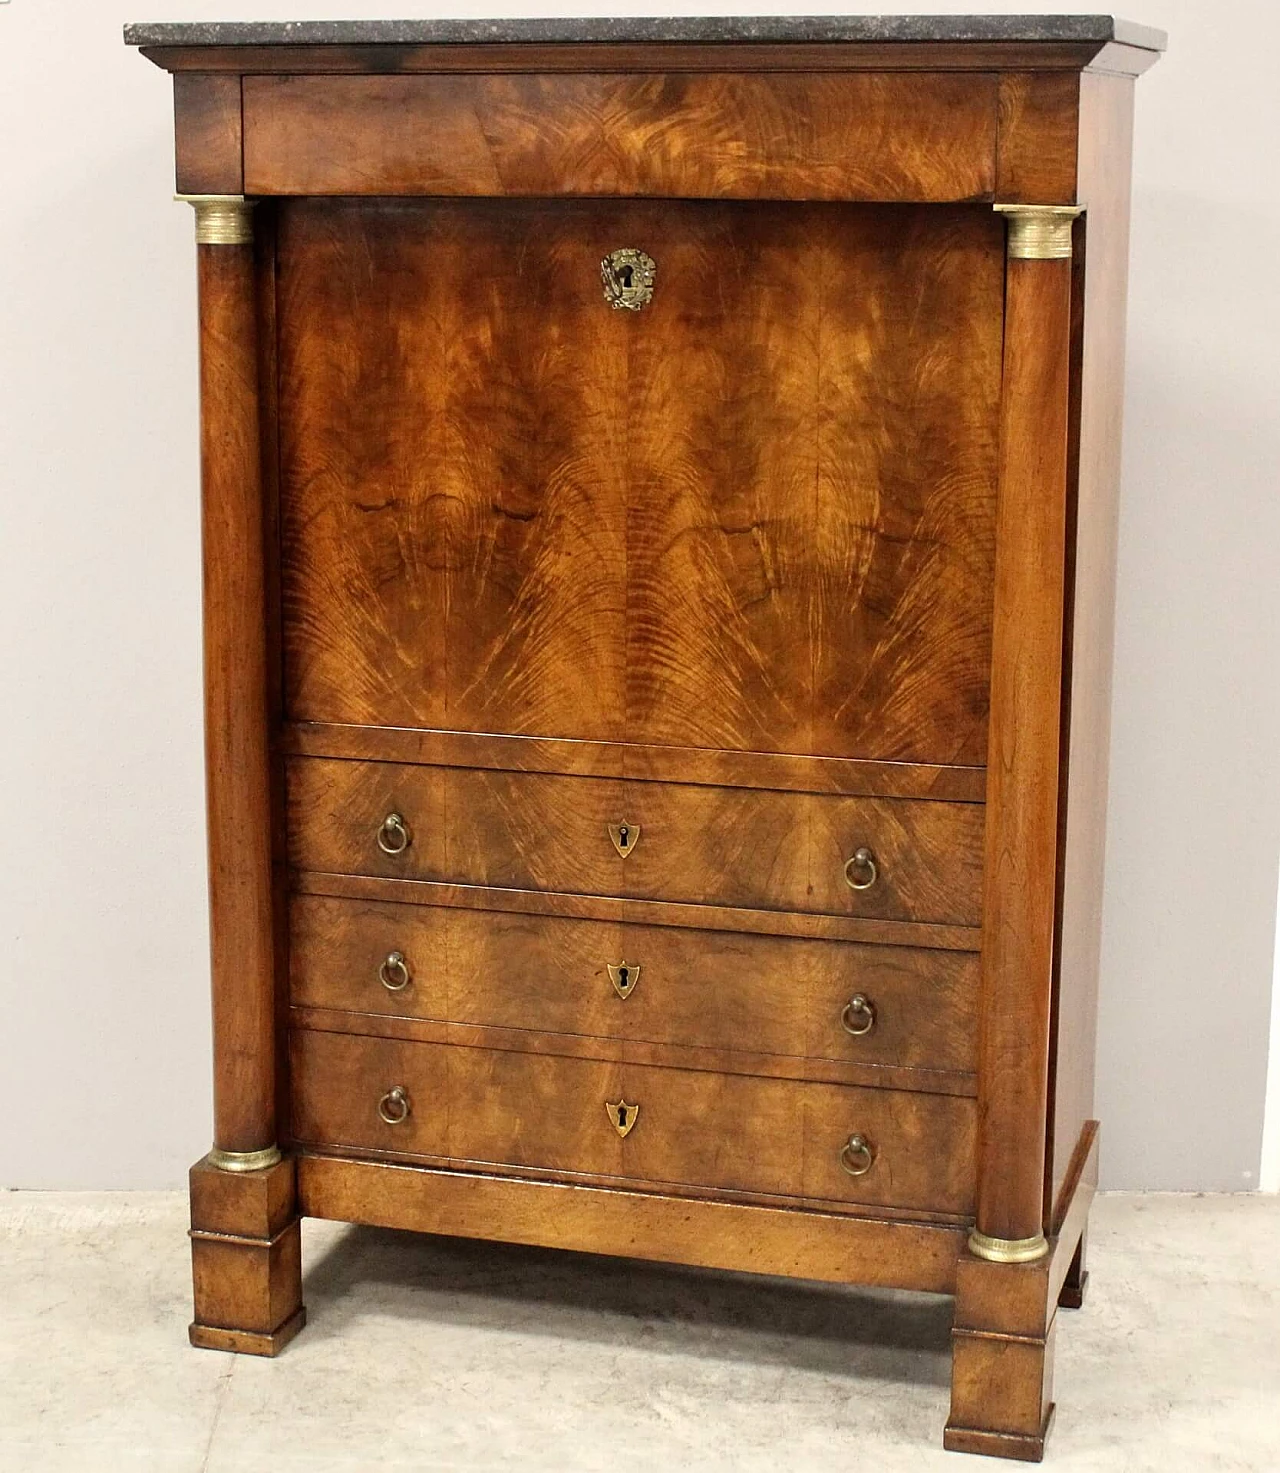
628	279
622	1116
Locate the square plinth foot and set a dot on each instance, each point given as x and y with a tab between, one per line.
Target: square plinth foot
246	1259
247	1342
1002	1359
1024	1447
1071	1295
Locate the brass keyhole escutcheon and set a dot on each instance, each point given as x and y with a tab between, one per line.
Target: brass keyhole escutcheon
622	1117
625	837
628	279
624	977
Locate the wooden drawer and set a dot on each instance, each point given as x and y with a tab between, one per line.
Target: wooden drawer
718	136
550	1113
719	990
715	846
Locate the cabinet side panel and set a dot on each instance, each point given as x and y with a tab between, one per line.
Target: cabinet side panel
1106	134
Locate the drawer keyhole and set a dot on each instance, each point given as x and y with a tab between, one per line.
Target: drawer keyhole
624	977
628	276
622	1116
625	837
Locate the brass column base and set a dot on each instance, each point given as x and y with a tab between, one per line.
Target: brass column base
244	1160
1007	1250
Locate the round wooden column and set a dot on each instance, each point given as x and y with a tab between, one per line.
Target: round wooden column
235	691
1020	877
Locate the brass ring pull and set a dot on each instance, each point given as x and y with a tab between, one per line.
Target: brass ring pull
857	1156
864	862
393	834
394	1106
858	1006
394	972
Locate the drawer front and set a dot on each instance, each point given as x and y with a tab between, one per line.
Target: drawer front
845	136
704	845
658	984
756	516
719	1131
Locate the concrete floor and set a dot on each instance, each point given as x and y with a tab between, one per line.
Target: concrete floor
439	1354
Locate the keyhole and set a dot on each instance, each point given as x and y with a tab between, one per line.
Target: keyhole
623	976
624	833
622	1117
624	276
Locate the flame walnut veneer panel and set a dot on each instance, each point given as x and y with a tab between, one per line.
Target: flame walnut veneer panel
717	1131
712	846
757	515
756	994
714	136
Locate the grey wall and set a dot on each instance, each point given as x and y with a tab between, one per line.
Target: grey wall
1194	832
104	1070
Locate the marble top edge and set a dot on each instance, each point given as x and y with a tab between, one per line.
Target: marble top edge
1027	29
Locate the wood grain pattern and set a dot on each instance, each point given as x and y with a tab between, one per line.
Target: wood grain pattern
246	1259
1005	1329
633	1051
521	1109
825	1246
756	516
207	134
786	772
1101	285
1020	872
711	846
1036	149
754	994
237	772
805	926
859	136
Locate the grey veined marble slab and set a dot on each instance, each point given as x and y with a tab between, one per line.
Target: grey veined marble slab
765	28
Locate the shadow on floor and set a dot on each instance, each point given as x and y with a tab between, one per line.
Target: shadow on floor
881	1334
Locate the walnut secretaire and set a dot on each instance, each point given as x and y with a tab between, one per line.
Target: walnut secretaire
659	510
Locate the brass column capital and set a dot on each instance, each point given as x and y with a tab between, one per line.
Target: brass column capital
1007	1250
221	219
1039	232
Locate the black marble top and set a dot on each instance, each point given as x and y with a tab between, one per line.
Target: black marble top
767	28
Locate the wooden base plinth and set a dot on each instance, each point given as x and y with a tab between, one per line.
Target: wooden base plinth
1024	1448
1002	1341
246	1259
1076	1281
1001	1391
247	1342
1072	1296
